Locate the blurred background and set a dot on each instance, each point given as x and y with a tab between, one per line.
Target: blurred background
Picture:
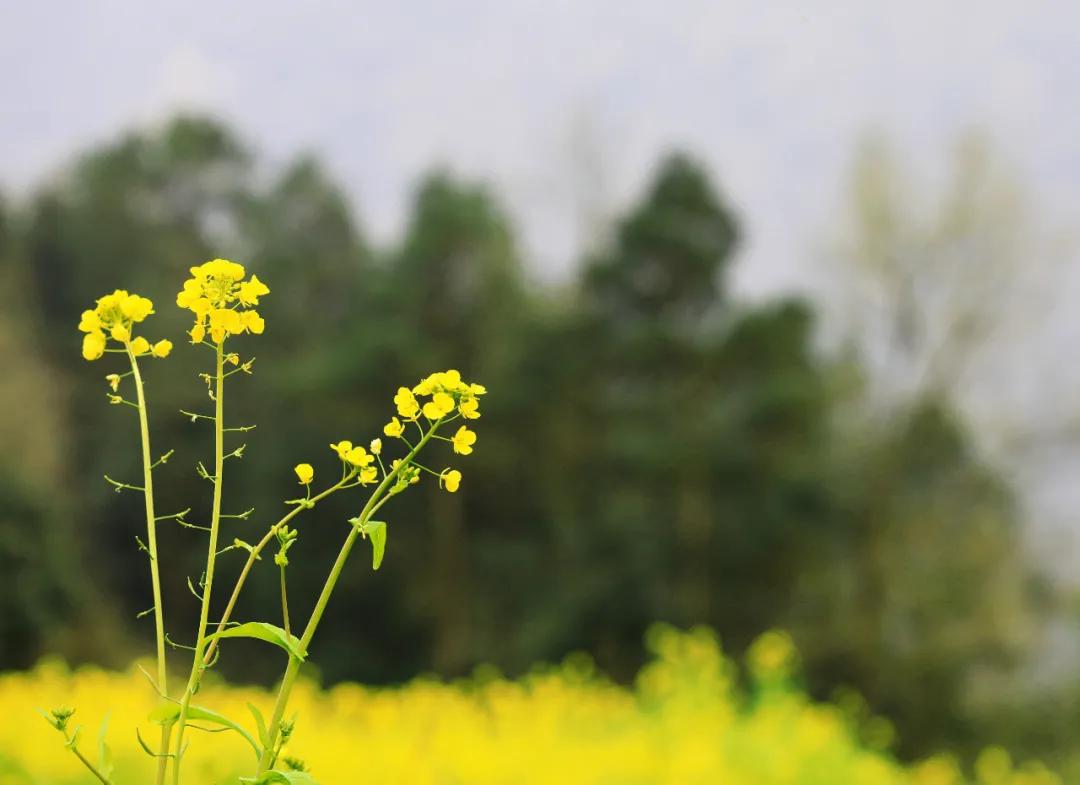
773	302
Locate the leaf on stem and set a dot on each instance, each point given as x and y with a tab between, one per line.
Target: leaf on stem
262	631
168	713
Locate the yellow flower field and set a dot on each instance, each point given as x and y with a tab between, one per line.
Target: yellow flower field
686	721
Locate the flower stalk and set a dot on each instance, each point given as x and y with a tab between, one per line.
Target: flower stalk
152	552
199	660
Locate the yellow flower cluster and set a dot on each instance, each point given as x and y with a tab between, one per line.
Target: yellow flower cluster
114	317
685	721
449	396
222	300
446	392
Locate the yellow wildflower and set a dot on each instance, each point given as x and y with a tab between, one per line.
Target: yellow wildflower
162	348
136	308
89	322
120	333
342	448
368	475
376	446
463	440
450	479
358	456
439	406
93	346
253	323
304	472
251	291
469	408
140	346
394	429
218	295
406	403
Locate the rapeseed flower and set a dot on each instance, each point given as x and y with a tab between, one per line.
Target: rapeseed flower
114	318
221	300
450	479
304	472
463	441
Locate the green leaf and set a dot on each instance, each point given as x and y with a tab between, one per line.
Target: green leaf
262	631
286	777
168	713
376	530
260	723
105	761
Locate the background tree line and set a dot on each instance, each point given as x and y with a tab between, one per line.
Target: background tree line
653	449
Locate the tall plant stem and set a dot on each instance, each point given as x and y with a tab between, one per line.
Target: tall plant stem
293	668
199	659
151	545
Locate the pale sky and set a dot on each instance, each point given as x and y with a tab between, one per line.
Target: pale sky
774	95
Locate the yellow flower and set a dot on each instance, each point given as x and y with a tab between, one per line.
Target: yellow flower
93	346
162	348
197	333
376	446
394	429
469	408
89	322
407	406
223	323
439	406
253	323
451	380
368	475
450	479
218	295
114	381
342	448
120	333
140	346
358	456
136	308
463	440
304	472
477	389
251	291
233	358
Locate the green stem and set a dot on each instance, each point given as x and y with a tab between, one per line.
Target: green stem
199	659
293	668
253	556
284	603
151	545
86	762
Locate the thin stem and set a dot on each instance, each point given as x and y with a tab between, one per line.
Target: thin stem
85	761
151	545
199	660
253	556
293	668
284	603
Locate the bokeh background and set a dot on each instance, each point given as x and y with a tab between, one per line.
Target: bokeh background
774	303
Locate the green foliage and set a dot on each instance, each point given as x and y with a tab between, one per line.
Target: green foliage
260	630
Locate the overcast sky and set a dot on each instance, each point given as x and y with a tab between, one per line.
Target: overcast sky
774	95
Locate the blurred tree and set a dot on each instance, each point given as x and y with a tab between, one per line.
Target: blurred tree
651	449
